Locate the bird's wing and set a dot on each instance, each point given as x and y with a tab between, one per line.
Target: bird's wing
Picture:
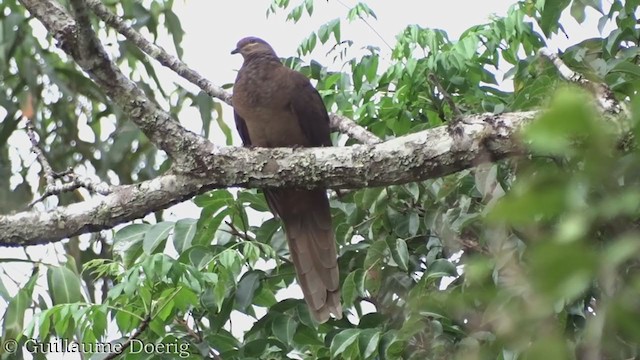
308	107
242	129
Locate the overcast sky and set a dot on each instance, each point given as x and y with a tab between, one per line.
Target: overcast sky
212	29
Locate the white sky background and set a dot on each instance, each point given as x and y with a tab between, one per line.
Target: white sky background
212	29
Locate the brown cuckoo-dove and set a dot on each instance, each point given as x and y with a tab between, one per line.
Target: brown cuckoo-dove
275	106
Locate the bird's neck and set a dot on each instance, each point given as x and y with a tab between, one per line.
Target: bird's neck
262	59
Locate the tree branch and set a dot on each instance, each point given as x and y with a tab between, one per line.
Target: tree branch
424	155
35	147
125	345
157	52
338	122
73	180
350	128
79	41
606	100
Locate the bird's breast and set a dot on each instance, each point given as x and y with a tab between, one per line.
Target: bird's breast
262	97
270	127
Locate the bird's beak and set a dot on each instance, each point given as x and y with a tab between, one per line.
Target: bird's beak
235	51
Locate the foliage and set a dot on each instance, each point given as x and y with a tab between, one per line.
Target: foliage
526	258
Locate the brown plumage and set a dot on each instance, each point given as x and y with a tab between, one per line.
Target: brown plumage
275	106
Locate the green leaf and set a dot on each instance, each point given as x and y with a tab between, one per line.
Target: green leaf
247	288
307	44
172	22
251	252
4	294
361	10
132	254
224	341
375	254
400	254
547	348
64	285
99	319
349	289
309	6
371	320
442	266
595	4
214	200
220	293
13	318
129	235
373	265
627	68
562	271
184	232
230	259
44	323
254	349
306	336
267	230
226	130
569	115
394	348
157	266
284	328
550	16
368	341
331	27
63	320
205	104
296	13
578	11
255	200
131	282
156	235
343	340
370	196
265	297
622	250
208	226
324	33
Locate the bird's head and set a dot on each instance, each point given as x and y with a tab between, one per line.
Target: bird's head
252	46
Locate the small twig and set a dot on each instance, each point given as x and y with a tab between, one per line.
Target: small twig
55	189
233	230
75	183
446	96
35	147
604	95
62	174
350	128
564	70
182	322
195	334
143	326
244	223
